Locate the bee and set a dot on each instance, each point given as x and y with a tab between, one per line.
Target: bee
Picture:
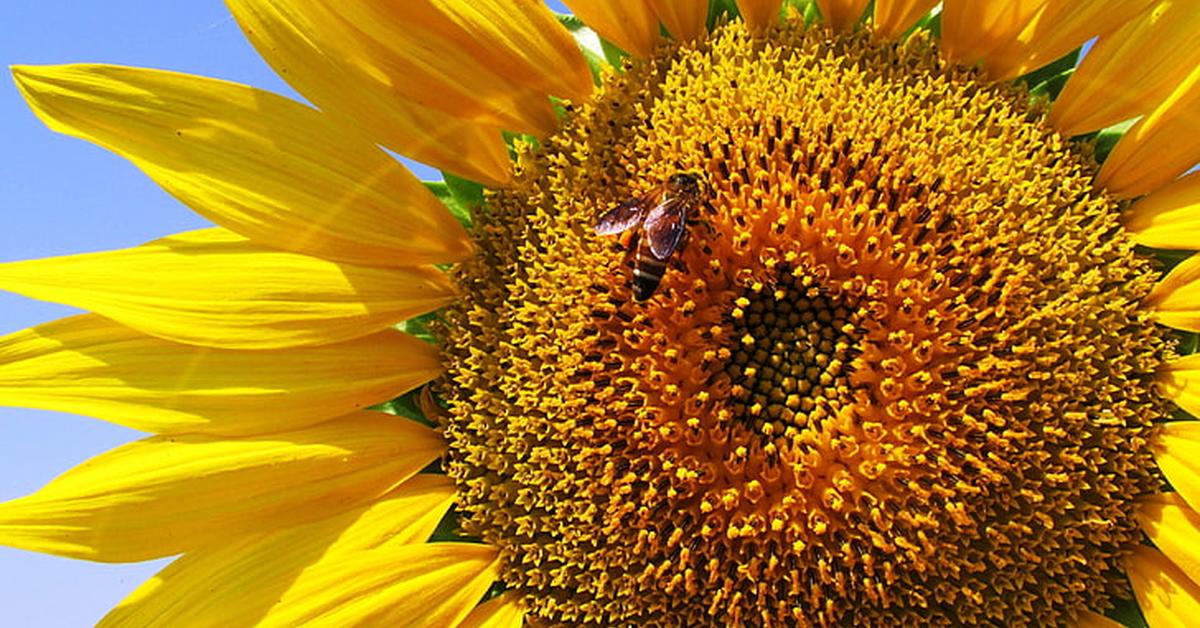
662	215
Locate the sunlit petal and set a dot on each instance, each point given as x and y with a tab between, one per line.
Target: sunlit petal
759	14
840	15
269	168
1179	458
684	19
216	289
893	17
237	582
430	584
502	611
306	49
1088	619
90	365
1165	595
1169	218
170	494
1018	36
631	24
1173	526
1161	146
1127	73
1180	382
1175	301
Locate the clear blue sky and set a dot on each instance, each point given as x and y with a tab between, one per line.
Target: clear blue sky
61	196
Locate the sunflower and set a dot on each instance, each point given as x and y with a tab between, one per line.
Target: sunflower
766	313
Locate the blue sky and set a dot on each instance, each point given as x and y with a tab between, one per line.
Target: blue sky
61	196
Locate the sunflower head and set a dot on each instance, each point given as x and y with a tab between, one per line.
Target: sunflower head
782	313
861	393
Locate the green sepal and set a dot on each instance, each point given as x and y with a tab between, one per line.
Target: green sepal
721	9
1107	138
1050	88
1189	342
419	327
405	406
614	55
595	62
1065	63
449	529
811	13
460	206
932	22
498	587
1127	613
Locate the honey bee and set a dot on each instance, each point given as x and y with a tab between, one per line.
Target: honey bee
662	215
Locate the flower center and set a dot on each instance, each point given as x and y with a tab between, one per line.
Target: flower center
895	372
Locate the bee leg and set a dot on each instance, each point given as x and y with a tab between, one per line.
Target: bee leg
676	262
712	231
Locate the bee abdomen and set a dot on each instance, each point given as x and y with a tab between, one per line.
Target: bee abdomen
647	273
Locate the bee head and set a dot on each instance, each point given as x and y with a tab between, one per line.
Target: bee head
684	182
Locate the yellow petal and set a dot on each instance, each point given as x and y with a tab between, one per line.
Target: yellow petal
502	611
236	582
840	15
412	60
431	584
522	42
1130	71
1180	382
170	494
93	366
1179	458
216	289
271	169
300	47
971	30
630	24
893	17
1166	597
1088	619
1169	218
684	19
1018	36
1175	301
759	14
1161	146
1174	528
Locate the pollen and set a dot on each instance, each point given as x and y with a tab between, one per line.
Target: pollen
896	374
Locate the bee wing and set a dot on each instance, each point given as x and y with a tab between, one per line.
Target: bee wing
664	226
622	217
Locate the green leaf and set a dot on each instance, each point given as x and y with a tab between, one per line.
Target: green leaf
419	327
448	529
1189	342
442	191
1106	139
1127	613
466	191
581	33
614	55
1051	87
405	406
718	9
1065	63
931	23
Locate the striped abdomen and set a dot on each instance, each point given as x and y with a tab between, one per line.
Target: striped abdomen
647	271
